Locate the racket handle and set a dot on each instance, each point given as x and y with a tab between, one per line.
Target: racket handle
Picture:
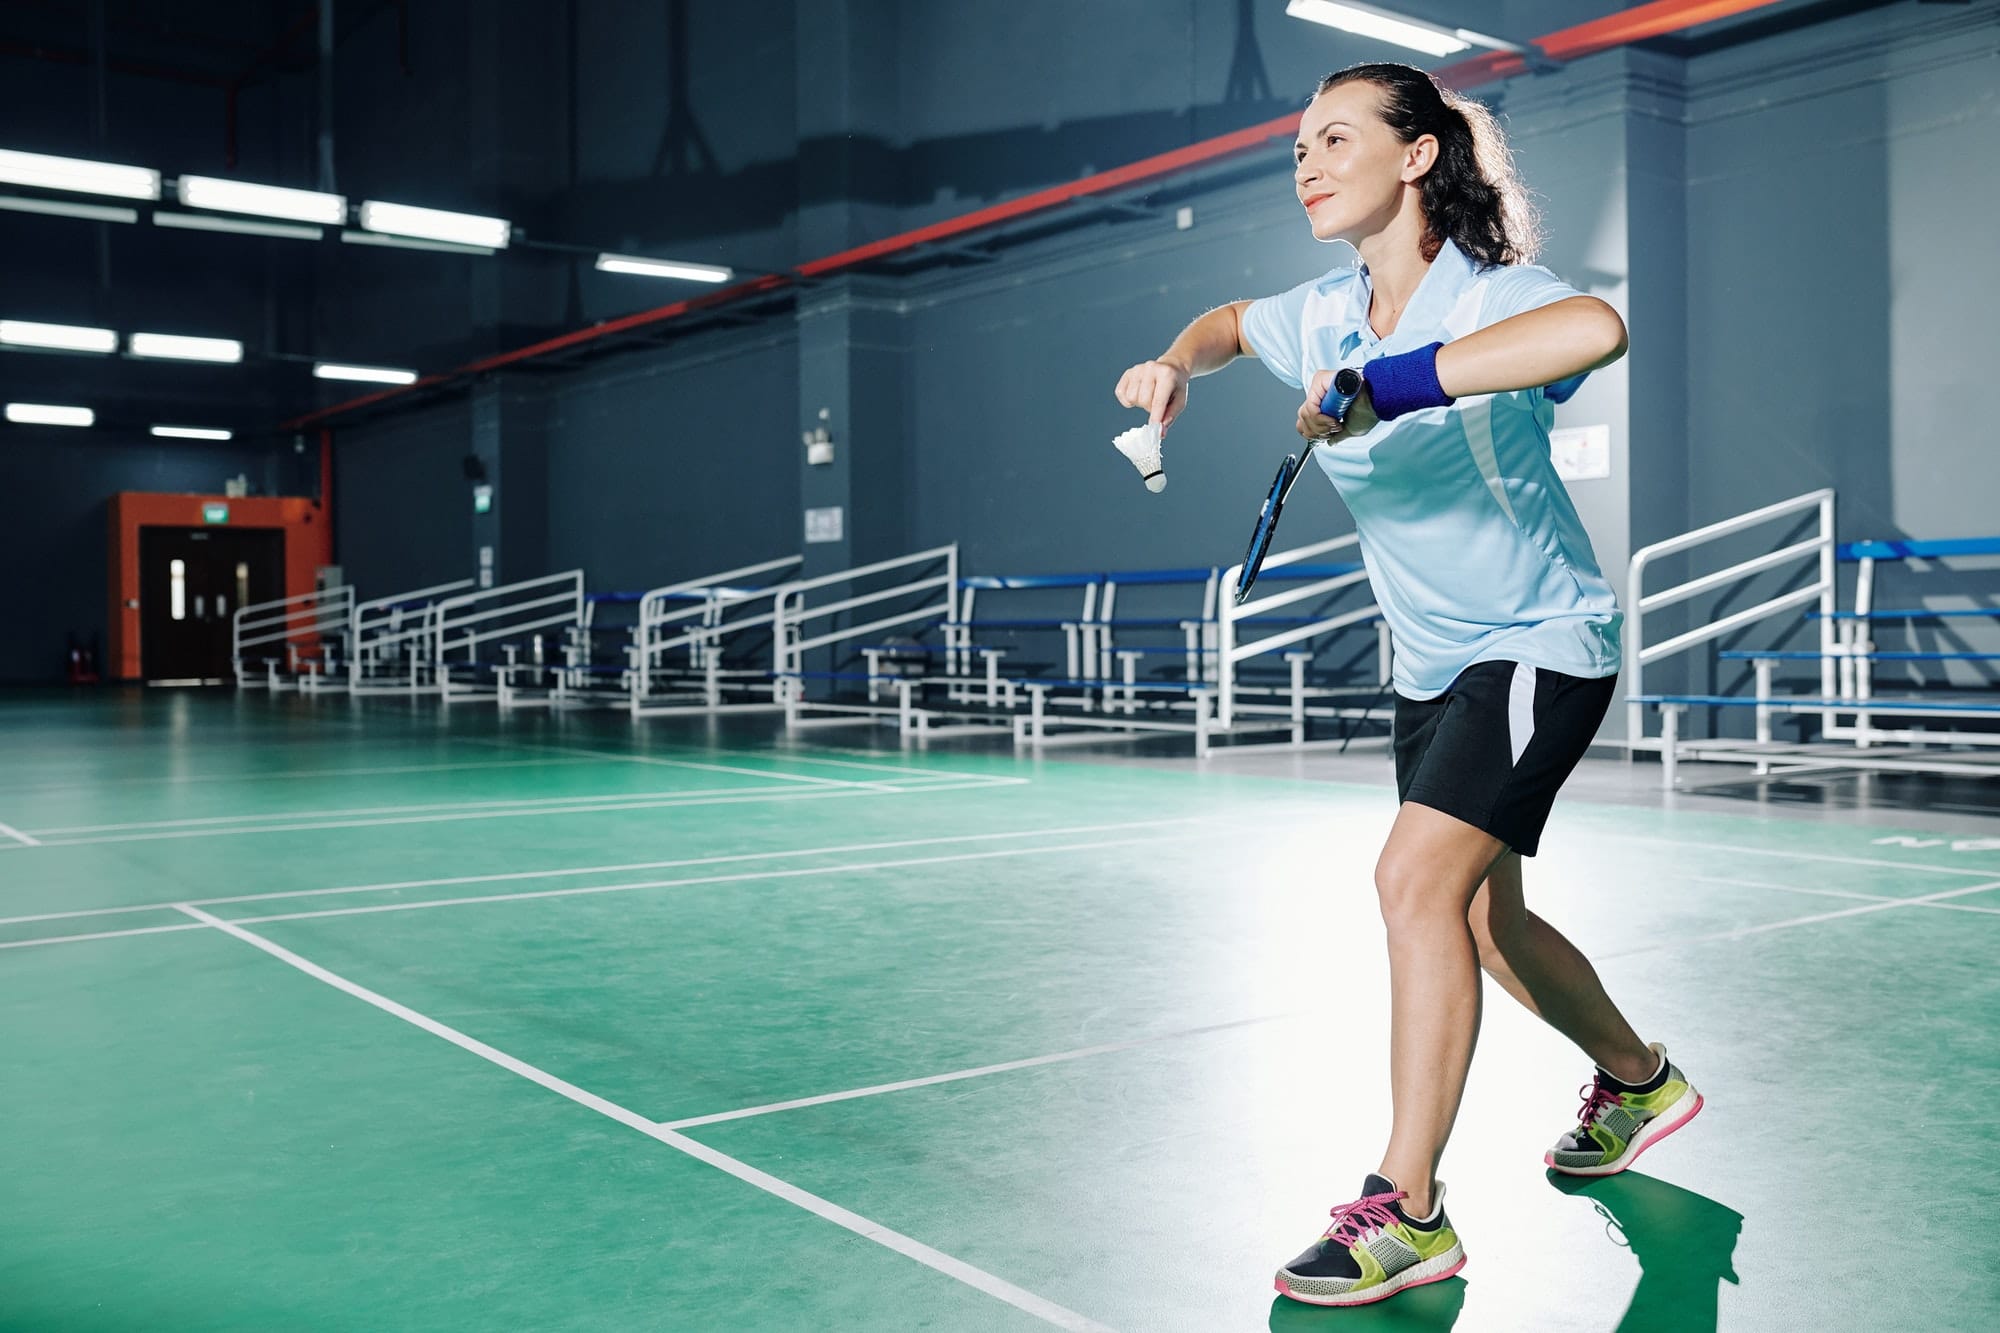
1346	388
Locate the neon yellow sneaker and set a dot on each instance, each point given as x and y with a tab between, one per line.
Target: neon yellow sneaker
1619	1121
1374	1250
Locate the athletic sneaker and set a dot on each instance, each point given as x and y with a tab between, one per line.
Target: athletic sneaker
1374	1249
1621	1120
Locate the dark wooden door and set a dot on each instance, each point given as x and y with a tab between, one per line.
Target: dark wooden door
191	580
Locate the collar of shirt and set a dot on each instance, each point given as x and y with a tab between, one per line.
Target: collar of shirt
1442	285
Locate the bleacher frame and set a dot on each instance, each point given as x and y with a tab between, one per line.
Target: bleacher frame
308	629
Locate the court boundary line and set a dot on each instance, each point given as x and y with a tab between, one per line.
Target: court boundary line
10	831
1742	932
726	858
977	1278
1827	893
1681	845
536	748
612	804
375	771
586	890
1032	1062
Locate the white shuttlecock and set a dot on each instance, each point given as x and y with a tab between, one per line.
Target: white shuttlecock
1141	444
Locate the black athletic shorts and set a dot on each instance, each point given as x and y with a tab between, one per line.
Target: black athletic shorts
1497	745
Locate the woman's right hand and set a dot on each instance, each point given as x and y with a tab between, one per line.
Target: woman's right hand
1160	387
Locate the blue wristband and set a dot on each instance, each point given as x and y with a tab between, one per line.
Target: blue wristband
1407	382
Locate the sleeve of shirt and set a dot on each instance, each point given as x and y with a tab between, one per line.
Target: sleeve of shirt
1516	290
1271	329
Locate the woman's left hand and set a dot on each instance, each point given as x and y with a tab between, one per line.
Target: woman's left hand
1315	425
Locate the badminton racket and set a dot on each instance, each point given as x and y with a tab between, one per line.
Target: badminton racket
1345	389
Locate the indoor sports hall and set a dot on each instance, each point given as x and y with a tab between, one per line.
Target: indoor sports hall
654	676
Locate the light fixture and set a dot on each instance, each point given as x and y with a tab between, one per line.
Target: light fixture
48	414
331	370
174	347
293	231
78	176
663	268
410	243
434	224
1382	24
269	201
62	208
56	337
193	433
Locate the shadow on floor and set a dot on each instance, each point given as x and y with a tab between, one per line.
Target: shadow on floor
1685	1244
1427	1309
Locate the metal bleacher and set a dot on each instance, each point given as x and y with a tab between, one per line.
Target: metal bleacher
1938	723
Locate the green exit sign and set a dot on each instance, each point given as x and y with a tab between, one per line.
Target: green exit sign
215	513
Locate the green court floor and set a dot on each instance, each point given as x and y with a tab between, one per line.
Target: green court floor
324	1015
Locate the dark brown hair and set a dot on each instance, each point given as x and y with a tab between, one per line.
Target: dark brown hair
1471	195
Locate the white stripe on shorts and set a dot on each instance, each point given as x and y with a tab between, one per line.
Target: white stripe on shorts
1521	710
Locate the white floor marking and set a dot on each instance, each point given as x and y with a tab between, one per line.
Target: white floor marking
9	831
588	890
1742	932
1060	1057
513	803
286	774
843	849
803	872
1679	845
977	1278
628	758
1832	893
784	795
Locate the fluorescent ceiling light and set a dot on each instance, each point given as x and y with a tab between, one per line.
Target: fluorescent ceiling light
56	337
48	414
15	203
406	243
238	226
174	347
270	201
433	224
329	370
78	176
1381	24
663	268
192	433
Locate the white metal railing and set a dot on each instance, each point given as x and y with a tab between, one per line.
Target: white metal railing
790	640
464	623
695	616
1823	589
1230	651
325	616
394	633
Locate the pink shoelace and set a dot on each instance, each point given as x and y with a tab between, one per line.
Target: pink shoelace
1596	1100
1370	1210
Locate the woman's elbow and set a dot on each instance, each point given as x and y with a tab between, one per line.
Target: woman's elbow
1607	332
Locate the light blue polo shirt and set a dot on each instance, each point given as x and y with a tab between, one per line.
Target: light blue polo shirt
1473	548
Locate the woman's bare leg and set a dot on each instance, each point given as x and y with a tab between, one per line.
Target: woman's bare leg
1429	871
1534	963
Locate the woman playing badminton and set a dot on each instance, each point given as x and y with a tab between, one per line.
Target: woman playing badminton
1506	633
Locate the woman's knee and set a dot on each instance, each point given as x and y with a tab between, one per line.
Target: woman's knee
1408	897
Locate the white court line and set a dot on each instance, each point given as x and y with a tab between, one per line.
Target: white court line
351	811
589	889
8	830
977	1278
1679	845
785	796
38	789
1826	893
682	863
1060	1057
1742	932
678	763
